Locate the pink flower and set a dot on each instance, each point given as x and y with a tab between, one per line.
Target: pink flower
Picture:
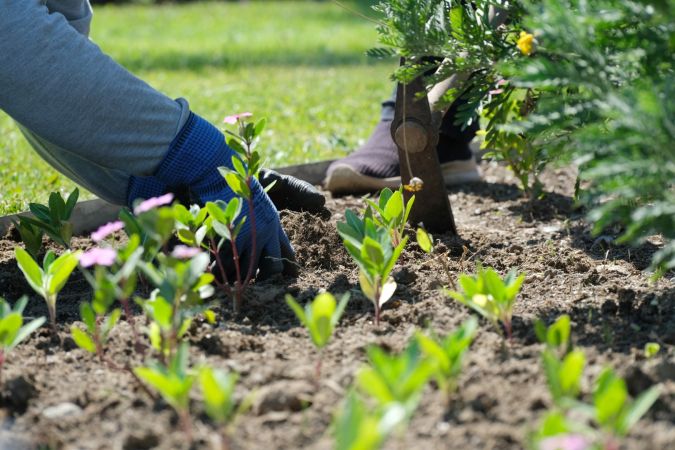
106	230
98	257
153	202
234	118
565	442
496	91
502	82
185	252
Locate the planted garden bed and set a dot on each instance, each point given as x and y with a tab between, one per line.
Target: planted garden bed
57	395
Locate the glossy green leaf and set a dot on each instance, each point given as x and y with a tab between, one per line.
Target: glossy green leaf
30	270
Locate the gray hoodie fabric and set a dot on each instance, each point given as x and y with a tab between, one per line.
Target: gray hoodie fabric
82	112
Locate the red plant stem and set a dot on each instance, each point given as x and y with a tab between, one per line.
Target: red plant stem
237	284
2	364
222	434
225	285
509	330
186	424
317	368
251	213
52	318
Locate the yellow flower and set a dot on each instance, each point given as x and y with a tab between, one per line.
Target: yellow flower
526	43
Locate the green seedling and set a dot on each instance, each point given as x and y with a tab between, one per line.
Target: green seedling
447	354
224	223
320	317
564	375
12	329
110	283
613	409
372	249
490	296
398	378
356	427
49	279
247	164
598	425
563	366
392	212
98	327
425	240
182	287
174	383
557	336
218	389
31	236
191	227
651	349
54	218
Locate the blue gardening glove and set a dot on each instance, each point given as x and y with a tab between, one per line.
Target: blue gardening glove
192	164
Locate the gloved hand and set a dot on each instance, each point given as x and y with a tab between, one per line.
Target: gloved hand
192	164
292	193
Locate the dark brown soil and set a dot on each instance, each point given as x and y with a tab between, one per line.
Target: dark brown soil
57	396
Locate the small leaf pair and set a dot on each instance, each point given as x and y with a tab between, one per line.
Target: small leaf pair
12	329
447	354
320	317
392	212
490	296
49	279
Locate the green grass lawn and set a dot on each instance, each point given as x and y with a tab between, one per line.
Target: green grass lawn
300	64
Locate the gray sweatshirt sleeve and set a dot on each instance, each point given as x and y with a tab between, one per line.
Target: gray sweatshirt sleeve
93	120
78	13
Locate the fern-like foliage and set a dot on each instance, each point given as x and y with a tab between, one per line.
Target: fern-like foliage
593	85
603	71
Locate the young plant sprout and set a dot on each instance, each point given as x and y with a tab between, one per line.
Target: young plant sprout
116	278
600	424
392	212
182	286
49	279
12	329
218	390
320	317
398	378
31	236
614	412
490	296
651	349
98	325
447	354
372	249
225	221
174	383
191	228
53	219
557	336
356	427
247	164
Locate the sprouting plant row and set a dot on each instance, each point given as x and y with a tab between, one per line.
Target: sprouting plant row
387	389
